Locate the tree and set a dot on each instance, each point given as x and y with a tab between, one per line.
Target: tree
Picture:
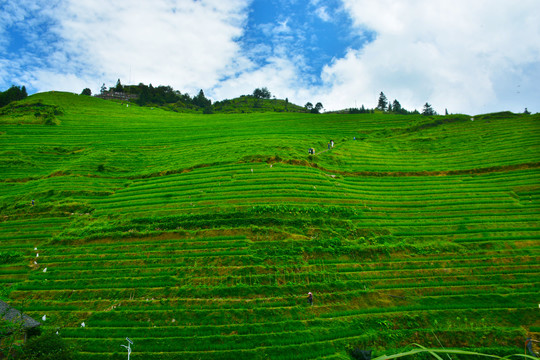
318	107
263	93
383	102
208	110
103	89
10	332
144	96
87	92
308	106
428	110
266	93
15	325
389	107
396	106
201	101
119	87
527	112
14	93
47	347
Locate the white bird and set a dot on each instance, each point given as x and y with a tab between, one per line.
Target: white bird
57	333
251	170
45	270
44	317
82	324
37	255
35	262
35	248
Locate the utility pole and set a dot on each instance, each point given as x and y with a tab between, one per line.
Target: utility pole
129	346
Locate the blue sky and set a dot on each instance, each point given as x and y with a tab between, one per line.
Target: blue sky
311	33
465	56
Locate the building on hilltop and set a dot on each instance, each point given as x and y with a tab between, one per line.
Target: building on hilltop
116	95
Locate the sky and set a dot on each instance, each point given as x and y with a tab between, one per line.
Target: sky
463	56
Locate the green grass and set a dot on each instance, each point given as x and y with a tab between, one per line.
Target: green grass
199	236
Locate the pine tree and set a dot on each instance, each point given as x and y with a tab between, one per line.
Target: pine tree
428	110
397	107
119	87
201	101
383	102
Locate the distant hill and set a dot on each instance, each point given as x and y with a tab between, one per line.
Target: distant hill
250	104
167	98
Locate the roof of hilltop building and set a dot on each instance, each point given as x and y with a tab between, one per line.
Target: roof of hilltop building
109	95
11	314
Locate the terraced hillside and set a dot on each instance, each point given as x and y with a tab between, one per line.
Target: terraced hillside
199	236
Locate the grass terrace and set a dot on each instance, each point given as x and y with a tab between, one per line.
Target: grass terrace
199	236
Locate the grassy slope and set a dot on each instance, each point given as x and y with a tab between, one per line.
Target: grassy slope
248	104
223	222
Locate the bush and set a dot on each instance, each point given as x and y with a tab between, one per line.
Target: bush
47	347
10	257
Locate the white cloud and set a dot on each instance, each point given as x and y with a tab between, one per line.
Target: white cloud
280	76
323	14
283	26
466	56
185	44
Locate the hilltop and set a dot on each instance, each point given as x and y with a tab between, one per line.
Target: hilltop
199	236
165	97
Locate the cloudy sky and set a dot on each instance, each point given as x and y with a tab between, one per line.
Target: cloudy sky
467	56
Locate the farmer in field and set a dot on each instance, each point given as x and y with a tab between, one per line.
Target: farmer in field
32	202
310	298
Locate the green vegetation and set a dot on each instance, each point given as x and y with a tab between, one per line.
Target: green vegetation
30	113
198	236
166	98
14	93
251	104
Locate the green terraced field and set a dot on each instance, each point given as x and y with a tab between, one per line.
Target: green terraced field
199	236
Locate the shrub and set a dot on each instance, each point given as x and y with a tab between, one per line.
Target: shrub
48	347
10	257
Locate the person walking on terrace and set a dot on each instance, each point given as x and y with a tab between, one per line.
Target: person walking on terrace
310	298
